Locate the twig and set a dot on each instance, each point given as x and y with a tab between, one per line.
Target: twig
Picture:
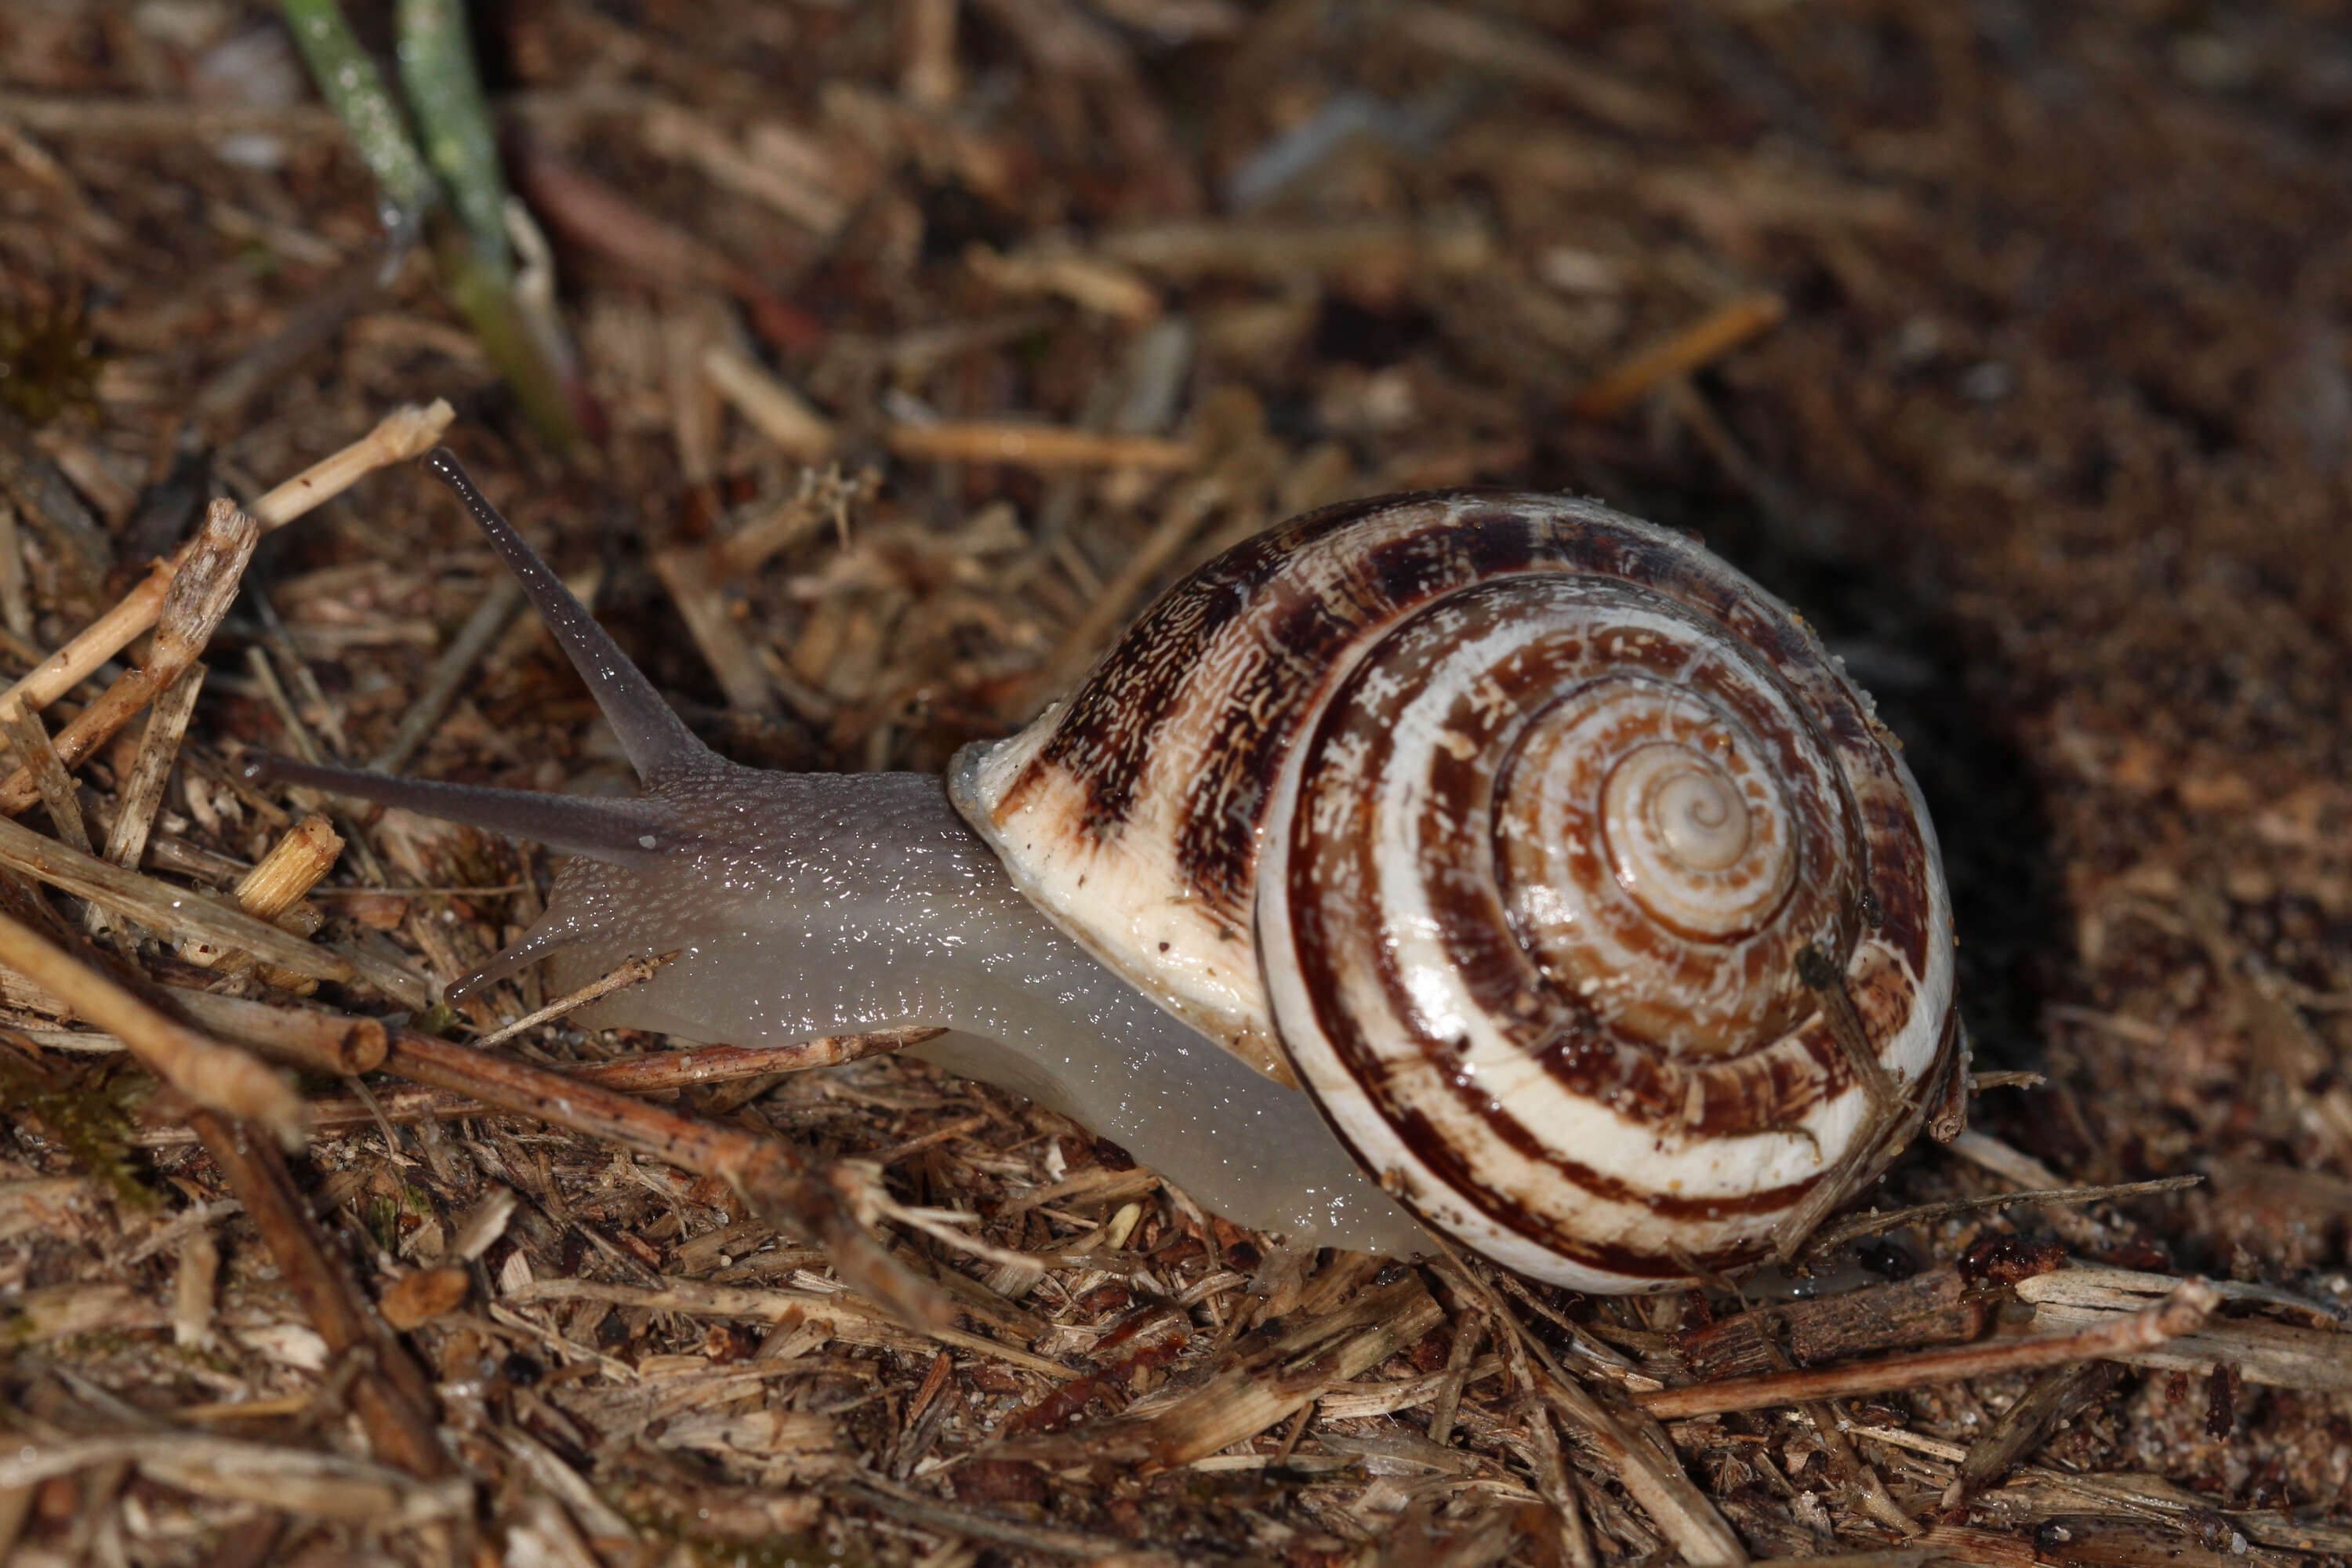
662	1070
592	214
95	642
143	789
634	973
47	499
686	570
391	1398
697	1299
905	1504
1096	282
1074	47
1855	1226
2282	1355
220	402
1879	1131
15	612
183	121
1109	609
821	495
2056	1396
1283	251
209	1073
277	642
1266	1387
324	1042
332	1043
2179	1313
1706	339
1522	54
299	1480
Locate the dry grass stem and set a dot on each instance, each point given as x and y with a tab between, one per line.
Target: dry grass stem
96	643
450	672
1705	341
202	586
400	436
37	760
773	409
1038	446
298	1480
636	972
164	910
272	892
208	1073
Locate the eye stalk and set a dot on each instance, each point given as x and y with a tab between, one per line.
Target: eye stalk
620	832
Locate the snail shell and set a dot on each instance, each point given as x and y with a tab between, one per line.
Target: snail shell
1501	824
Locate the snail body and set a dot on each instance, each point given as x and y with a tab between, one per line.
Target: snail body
1502	826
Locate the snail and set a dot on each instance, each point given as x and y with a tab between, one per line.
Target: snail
1492	862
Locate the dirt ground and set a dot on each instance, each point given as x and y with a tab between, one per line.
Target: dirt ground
2010	343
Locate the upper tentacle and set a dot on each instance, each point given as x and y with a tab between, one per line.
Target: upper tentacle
658	742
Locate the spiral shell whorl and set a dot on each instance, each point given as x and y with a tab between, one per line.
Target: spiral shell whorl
1531	809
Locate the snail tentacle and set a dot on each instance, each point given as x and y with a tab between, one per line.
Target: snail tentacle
655	738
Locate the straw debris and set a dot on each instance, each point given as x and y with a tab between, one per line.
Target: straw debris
915	347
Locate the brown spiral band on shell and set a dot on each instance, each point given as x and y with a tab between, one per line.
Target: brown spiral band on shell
1531	806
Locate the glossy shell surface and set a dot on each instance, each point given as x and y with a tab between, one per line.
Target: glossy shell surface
1501	822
